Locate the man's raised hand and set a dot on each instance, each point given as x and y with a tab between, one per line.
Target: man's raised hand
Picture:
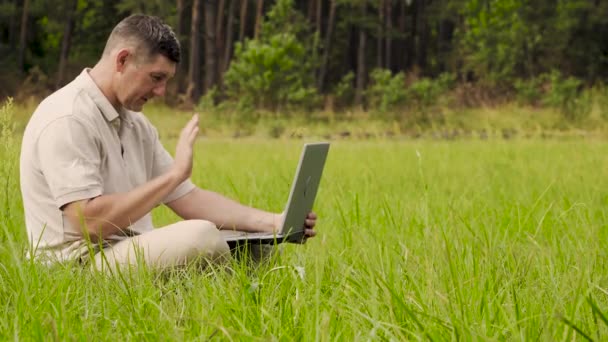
184	149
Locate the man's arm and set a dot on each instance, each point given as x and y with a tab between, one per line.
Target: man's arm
230	215
109	214
105	215
225	213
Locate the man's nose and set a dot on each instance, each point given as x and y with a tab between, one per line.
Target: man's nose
160	90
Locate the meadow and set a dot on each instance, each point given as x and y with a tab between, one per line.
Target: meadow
418	240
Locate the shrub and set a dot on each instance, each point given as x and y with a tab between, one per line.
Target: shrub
386	91
275	71
565	95
344	91
528	92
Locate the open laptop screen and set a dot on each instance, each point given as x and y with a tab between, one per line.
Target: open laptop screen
304	189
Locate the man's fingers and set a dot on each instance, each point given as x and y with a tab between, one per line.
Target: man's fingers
310	223
190	131
192	136
311	216
310	232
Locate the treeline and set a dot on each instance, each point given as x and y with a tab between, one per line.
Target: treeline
377	54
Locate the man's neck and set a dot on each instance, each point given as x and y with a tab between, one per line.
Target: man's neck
101	77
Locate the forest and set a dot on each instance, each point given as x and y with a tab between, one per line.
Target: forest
385	56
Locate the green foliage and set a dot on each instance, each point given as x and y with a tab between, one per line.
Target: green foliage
344	90
387	91
565	94
271	75
417	104
553	90
494	37
499	44
529	91
274	72
601	93
426	92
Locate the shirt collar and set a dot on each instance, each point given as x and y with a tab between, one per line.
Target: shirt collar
106	108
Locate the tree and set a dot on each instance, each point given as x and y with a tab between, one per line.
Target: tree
388	40
327	45
243	18
380	35
229	38
211	51
361	67
194	70
66	42
180	31
275	71
23	36
258	18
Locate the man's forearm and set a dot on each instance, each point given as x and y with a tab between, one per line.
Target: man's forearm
109	214
224	212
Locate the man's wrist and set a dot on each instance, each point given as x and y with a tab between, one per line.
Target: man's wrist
175	176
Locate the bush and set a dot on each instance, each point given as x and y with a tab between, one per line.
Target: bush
528	92
344	91
386	91
275	72
602	99
565	95
426	92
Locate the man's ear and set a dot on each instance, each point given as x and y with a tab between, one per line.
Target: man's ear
122	58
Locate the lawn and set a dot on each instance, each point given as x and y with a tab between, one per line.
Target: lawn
418	239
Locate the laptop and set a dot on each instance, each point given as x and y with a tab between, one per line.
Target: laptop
299	204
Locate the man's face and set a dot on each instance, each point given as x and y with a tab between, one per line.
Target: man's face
138	81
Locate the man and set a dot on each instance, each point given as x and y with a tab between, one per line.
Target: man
92	166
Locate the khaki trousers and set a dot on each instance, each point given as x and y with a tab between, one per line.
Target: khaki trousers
176	245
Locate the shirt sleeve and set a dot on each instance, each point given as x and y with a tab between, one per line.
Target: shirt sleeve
162	163
70	161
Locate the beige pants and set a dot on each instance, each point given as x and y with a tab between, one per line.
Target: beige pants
176	245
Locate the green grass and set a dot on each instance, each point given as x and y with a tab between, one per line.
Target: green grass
464	240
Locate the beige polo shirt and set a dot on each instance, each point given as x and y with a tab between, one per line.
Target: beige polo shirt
77	146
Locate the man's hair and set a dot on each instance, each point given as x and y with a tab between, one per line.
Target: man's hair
148	34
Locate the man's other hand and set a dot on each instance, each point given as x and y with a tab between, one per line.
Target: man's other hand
309	224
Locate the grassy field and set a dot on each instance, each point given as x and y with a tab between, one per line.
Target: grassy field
462	240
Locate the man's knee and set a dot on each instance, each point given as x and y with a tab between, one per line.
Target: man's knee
204	239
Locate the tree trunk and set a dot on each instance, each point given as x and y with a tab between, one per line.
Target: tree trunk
23	36
311	12
258	18
243	19
13	27
219	27
319	16
421	34
380	40
210	73
181	35
219	39
361	72
446	29
389	28
317	39
404	47
229	39
66	42
194	70
327	45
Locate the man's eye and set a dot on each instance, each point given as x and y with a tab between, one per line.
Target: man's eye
157	78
